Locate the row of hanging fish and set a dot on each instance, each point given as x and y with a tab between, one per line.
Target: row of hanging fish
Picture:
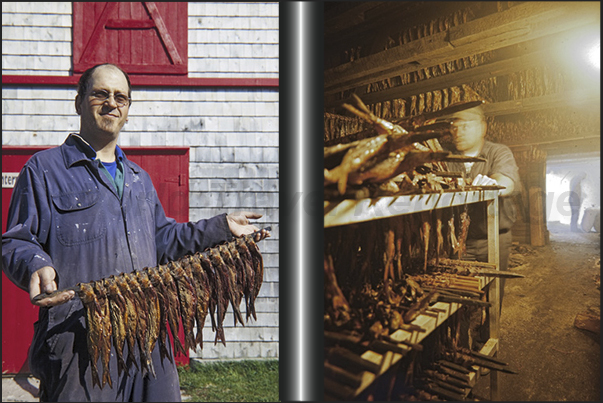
137	308
403	157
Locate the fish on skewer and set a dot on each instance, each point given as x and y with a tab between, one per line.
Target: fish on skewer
117	305
336	304
188	302
93	325
142	333
465	221
395	140
130	318
439	235
388	264
106	331
366	149
173	313
164	308
240	273
199	312
203	289
217	304
235	300
425	236
225	296
382	126
454	243
354	159
153	307
137	308
213	285
246	258
258	265
378	171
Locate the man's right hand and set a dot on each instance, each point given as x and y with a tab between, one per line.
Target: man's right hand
44	280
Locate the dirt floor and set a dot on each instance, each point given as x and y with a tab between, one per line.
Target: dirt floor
556	361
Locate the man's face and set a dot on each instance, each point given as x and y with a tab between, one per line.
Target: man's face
99	116
468	133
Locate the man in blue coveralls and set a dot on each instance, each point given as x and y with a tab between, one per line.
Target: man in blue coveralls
81	212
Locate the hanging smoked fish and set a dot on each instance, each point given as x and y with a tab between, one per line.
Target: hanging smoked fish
173	313
188	302
130	318
136	308
246	258
225	296
164	308
117	305
203	295
105	339
235	301
240	273
216	304
142	332
153	309
93	324
258	265
200	308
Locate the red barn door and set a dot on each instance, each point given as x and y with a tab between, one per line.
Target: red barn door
140	37
168	168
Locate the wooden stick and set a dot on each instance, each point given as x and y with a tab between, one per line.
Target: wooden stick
339	390
454	366
339	337
465	263
355	359
343	376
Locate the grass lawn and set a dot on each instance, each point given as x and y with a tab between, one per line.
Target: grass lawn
230	381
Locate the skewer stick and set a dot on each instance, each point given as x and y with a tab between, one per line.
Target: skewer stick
77	287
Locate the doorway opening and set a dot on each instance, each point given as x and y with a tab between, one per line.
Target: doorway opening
573	180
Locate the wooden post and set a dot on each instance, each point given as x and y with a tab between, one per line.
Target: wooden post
537	224
494	290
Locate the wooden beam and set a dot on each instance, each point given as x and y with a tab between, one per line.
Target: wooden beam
521	23
347	19
393	17
458	78
567	99
145	81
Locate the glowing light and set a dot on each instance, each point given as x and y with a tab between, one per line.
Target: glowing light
594	55
578	54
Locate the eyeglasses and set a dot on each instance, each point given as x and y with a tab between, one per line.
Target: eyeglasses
101	96
465	124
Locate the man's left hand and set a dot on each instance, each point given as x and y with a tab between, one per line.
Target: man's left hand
483	180
239	224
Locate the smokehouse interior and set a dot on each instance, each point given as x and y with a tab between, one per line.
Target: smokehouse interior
462	201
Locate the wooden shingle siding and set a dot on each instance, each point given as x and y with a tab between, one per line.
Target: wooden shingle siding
233	40
232	132
36	38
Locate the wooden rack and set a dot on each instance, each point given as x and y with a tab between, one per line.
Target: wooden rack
344	212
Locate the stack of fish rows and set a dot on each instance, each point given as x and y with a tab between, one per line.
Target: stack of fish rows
402	158
138	307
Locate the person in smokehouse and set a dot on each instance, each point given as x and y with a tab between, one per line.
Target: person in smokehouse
81	212
500	168
575	200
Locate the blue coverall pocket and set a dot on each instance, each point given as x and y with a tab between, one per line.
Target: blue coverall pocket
79	216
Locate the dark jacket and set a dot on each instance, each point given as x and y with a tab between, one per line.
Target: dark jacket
66	213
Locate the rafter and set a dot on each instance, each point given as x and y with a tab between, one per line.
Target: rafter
521	23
